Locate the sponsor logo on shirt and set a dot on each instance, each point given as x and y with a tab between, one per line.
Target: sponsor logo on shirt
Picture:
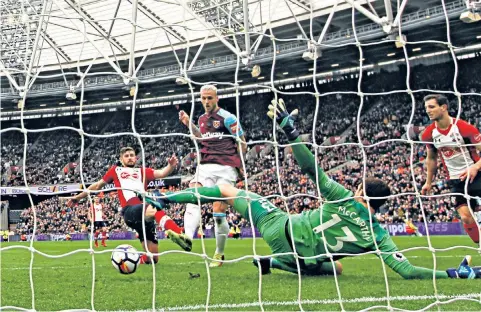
126	175
449	152
212	135
477	138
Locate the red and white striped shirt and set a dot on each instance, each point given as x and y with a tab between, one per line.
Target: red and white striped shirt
97	211
455	158
130	180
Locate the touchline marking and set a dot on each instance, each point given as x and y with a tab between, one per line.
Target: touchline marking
309	301
198	262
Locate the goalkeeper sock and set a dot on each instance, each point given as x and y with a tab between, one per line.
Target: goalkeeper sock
191	219
166	223
221	232
188	195
473	231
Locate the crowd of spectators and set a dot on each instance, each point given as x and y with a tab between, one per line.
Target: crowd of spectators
270	170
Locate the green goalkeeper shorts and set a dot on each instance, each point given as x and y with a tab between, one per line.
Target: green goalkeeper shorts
267	218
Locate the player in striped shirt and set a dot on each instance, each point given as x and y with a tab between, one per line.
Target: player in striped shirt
449	136
96	216
129	180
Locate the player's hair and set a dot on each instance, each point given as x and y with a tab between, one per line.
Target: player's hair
209	87
126	149
376	188
440	99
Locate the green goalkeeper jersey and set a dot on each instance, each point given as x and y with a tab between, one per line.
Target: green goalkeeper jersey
346	226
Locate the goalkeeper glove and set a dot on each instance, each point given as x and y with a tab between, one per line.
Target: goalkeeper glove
284	119
465	270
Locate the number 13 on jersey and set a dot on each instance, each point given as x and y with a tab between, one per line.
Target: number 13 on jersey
325	228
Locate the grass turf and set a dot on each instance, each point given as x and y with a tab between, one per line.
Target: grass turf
66	282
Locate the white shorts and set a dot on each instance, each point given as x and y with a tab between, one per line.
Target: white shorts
215	174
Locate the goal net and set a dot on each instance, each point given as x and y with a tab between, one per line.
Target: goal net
90	77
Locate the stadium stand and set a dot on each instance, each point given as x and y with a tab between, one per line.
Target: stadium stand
382	117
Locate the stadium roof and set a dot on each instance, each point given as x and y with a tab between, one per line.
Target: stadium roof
75	32
83	30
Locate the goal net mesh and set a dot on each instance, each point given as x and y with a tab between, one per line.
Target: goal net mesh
359	138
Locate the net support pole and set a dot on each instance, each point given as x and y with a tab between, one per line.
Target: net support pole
297	21
388	8
328	22
198	53
365	11
245	4
135	4
399	13
34	51
209	27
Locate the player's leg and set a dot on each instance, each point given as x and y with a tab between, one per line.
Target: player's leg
96	234
104	234
172	230
192	215
152	247
221	229
149	242
466	215
223	175
469	222
267	263
133	218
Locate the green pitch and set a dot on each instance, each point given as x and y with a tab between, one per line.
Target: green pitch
66	283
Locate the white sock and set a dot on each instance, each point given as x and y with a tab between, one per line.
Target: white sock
191	219
221	232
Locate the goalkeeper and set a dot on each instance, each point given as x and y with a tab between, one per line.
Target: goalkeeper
345	228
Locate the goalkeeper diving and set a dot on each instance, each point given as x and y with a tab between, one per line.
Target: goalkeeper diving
346	222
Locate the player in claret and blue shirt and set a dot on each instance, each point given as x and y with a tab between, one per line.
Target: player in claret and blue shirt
345	229
220	162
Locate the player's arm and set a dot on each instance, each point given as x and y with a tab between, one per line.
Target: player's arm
431	168
472	135
164	172
185	119
329	188
235	128
94	187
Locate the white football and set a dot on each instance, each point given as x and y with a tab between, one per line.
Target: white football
125	259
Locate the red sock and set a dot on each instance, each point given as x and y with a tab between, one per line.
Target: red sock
166	222
473	231
144	259
104	236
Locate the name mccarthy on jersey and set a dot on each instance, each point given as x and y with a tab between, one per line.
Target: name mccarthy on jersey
363	226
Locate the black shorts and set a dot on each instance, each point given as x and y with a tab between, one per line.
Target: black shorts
98	225
474	189
133	219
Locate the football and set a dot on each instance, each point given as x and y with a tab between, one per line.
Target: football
125	259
